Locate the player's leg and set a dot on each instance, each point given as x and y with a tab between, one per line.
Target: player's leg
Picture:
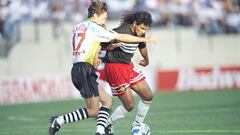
128	103
104	111
91	110
105	98
84	79
144	91
140	86
119	79
121	111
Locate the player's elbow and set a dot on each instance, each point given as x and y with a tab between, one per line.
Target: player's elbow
119	37
126	38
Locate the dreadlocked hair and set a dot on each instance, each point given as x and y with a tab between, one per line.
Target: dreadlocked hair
140	17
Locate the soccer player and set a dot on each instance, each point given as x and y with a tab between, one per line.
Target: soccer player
86	39
121	74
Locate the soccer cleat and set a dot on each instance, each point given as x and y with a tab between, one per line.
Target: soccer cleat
109	130
54	127
135	123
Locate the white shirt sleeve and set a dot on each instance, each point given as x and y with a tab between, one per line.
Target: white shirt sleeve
104	35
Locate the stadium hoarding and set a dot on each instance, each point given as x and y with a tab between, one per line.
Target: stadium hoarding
26	89
36	88
20	89
204	78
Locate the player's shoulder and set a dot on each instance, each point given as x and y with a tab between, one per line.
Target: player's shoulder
89	24
81	26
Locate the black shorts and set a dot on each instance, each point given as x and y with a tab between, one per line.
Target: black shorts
84	78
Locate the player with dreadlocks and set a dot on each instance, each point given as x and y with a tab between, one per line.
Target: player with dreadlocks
121	74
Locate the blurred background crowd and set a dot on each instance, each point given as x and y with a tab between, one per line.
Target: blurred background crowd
206	16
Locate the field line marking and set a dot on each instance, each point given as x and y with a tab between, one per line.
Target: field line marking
20	118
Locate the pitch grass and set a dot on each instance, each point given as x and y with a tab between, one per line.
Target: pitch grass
174	113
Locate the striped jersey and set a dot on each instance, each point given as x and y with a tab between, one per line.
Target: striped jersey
86	37
125	52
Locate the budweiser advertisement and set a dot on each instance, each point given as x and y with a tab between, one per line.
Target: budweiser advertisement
37	88
205	78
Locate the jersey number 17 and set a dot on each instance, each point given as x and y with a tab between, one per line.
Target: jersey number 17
79	37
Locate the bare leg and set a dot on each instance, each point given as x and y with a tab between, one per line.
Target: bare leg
128	103
144	91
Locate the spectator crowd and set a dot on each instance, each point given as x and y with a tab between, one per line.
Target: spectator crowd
207	16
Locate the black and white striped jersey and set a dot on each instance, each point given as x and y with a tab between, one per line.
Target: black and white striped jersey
125	52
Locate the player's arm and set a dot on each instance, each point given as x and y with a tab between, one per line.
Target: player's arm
110	45
96	60
144	53
133	39
104	35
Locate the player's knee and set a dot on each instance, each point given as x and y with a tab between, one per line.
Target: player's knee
148	96
130	106
107	102
93	112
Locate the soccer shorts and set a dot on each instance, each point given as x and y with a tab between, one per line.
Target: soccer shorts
101	72
122	75
84	79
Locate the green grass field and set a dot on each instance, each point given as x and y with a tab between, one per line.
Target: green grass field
174	113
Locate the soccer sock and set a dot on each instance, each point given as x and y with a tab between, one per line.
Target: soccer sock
119	112
143	107
102	119
77	115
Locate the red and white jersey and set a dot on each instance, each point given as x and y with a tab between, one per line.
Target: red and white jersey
86	38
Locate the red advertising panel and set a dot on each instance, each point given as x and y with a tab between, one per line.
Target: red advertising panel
167	80
199	78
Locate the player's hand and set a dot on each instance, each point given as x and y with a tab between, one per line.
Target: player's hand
113	46
96	62
143	63
121	90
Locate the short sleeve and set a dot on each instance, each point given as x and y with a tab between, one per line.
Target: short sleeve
104	35
142	45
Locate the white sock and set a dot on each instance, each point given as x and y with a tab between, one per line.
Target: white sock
118	113
143	107
100	129
60	120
